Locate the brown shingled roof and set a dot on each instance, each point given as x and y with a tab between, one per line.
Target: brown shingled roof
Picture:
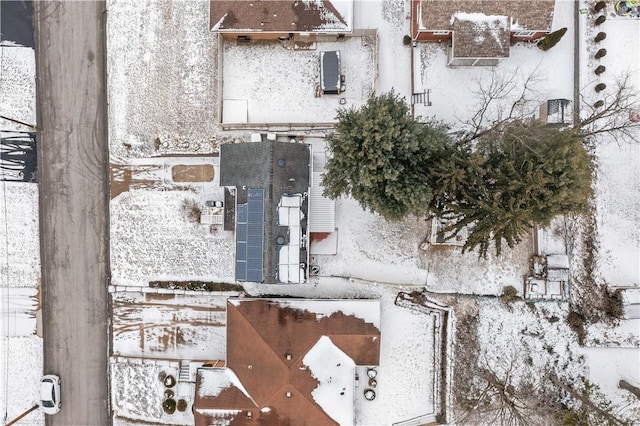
480	39
525	15
276	16
260	334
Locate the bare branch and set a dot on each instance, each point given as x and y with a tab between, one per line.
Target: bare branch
614	116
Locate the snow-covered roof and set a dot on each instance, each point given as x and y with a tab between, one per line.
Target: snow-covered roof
557	261
281	16
434	15
334	371
295	357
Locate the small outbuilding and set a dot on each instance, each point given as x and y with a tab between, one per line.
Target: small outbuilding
330	72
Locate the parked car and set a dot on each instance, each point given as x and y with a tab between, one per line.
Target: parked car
50	394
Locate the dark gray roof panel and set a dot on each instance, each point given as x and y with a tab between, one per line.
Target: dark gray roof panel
250	237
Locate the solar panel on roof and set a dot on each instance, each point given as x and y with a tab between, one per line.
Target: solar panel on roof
241	271
242	212
250	237
241	251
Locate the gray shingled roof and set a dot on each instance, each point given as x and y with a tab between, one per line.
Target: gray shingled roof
270	166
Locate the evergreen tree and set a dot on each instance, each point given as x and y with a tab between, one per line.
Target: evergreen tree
515	176
381	157
552	39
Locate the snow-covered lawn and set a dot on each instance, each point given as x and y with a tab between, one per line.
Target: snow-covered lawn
17	87
454	95
20	346
137	394
618	174
169	326
21	256
20	372
151	238
370	248
291	77
162	69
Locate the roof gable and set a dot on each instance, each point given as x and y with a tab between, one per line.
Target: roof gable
476	35
279	349
281	16
436	15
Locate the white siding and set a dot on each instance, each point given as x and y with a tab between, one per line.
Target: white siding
322	210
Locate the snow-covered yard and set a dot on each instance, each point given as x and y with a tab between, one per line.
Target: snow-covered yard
454	90
282	84
20	346
152	238
162	69
169	326
163	84
370	248
405	376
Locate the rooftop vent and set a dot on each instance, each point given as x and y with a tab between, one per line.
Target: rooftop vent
288	394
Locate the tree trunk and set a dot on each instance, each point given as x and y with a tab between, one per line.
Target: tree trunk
585	400
623	384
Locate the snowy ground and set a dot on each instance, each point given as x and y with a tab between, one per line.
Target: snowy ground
163	76
617	197
370	248
169	326
163	83
17	87
20	346
21	257
406	335
292	77
453	90
152	239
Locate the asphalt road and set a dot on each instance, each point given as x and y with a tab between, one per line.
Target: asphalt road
73	161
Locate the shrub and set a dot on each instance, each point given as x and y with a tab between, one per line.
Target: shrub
600	36
196	285
598	104
192	210
614	304
169	406
182	405
601	53
169	381
577	323
600	69
552	39
600	6
406	40
168	393
162	375
509	294
600	87
600	19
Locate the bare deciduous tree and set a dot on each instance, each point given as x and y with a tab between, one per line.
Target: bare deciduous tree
615	117
502	98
